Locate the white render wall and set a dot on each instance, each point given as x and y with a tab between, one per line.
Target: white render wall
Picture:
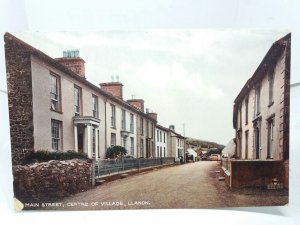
117	130
161	143
42	114
265	113
175	143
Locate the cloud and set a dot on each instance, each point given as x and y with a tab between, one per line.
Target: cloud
171	78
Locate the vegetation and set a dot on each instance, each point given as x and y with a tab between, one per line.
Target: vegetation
44	156
212	147
115	151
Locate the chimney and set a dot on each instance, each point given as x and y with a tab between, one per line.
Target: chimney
138	103
172	127
114	88
153	115
72	61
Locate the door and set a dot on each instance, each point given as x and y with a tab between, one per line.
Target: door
257	142
80	138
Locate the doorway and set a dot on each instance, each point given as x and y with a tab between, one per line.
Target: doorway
80	138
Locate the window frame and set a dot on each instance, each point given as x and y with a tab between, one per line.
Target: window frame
123	120
111	139
56	140
78	103
95	106
131	123
113	116
271	79
257	100
57	99
132	146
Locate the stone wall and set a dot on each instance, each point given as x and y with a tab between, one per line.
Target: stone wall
51	180
258	173
19	86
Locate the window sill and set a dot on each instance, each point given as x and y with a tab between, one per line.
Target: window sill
53	110
113	128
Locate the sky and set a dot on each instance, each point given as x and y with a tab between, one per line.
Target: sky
189	77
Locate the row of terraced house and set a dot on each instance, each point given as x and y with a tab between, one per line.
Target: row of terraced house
52	106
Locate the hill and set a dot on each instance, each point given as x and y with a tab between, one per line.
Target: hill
204	144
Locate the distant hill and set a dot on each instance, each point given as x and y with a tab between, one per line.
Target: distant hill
204	144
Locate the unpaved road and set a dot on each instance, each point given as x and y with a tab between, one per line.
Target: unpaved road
192	185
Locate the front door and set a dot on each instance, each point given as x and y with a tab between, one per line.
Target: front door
257	142
80	138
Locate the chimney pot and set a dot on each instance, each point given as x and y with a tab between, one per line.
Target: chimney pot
114	88
72	61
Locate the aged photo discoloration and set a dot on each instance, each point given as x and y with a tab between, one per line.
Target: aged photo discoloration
149	119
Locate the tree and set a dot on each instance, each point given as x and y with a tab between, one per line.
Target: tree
113	152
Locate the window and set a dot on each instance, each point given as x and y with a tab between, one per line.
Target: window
142	127
112	139
123	121
147	129
131	123
164	137
157	136
95	106
142	148
246	143
113	116
270	137
160	151
257	100
257	139
54	92
240	116
157	151
132	146
164	151
246	109
56	134
160	136
77	101
271	89
152	130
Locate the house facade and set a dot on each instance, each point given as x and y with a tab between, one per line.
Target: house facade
161	137
176	143
53	107
261	110
261	121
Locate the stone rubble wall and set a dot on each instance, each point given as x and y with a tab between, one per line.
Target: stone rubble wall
51	180
19	87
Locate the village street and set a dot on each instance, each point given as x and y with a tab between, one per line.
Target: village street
192	185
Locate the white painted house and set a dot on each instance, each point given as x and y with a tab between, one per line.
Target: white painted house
64	111
161	141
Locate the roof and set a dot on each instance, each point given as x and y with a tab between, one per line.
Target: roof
33	51
266	64
177	135
162	128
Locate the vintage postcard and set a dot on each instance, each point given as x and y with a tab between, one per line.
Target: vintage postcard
150	119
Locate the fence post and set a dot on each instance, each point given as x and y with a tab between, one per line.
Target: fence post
123	163
93	172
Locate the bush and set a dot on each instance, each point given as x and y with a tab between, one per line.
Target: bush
43	156
113	152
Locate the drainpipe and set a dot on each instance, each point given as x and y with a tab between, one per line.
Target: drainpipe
105	127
